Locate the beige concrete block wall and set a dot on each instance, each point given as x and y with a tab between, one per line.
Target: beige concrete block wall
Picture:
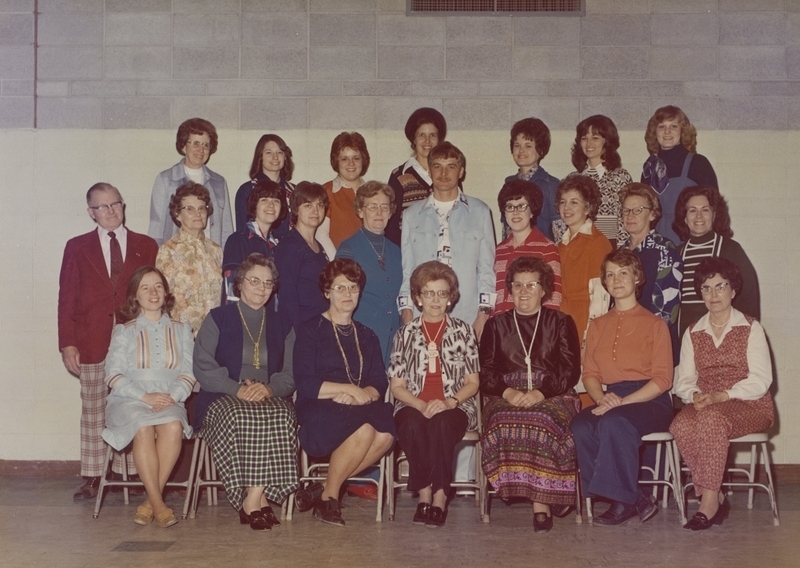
44	175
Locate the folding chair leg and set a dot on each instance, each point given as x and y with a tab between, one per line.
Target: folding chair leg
771	487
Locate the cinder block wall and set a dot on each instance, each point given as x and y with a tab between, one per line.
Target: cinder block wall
114	78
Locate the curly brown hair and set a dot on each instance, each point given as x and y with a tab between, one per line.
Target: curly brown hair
530	264
688	132
371	189
264	189
726	269
605	128
625	258
536	131
432	271
254	259
131	309
642	190
718	204
521	189
354	141
346	267
186	190
197	126
586	187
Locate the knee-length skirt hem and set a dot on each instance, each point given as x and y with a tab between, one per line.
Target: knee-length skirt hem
254	444
529	452
125	416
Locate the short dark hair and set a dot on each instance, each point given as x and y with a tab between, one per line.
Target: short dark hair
306	192
432	271
197	126
523	264
371	189
425	115
625	258
266	188
288	164
346	267
186	190
445	151
521	189
726	269
354	141
98	187
718	204
131	309
535	130
642	190
669	112
586	187
252	260
602	126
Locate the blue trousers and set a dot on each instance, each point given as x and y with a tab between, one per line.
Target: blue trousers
608	445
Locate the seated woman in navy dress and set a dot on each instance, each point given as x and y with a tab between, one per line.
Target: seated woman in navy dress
341	382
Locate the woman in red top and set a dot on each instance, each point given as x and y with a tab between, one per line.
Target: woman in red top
434	377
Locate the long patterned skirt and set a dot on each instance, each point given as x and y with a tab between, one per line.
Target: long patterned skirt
254	445
529	452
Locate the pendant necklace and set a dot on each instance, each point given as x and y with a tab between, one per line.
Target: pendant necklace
528	349
356	382
433	349
382	255
256	341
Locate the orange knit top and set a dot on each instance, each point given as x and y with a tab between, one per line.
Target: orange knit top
344	221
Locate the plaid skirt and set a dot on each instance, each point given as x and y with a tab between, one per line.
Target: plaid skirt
254	444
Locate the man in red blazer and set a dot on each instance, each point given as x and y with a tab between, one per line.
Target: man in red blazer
95	273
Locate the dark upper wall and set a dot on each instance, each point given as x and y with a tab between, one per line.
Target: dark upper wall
296	64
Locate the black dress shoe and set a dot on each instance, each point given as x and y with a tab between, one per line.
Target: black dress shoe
329	512
560	511
257	520
700	522
542	522
88	490
270	516
617	514
436	518
422	514
308	496
646	507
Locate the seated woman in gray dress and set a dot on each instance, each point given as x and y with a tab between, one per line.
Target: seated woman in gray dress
341	382
244	367
149	372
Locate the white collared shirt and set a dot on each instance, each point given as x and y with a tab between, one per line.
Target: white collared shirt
586	229
105	243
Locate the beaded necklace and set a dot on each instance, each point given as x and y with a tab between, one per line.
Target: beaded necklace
344	357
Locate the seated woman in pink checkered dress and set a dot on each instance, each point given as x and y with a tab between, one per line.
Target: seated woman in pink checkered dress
723	377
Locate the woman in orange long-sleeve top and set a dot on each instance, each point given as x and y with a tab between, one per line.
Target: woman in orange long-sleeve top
629	351
582	249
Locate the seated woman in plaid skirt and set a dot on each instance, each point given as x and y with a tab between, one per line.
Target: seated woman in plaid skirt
244	367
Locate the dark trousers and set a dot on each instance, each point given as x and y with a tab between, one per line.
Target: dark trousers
429	444
608	445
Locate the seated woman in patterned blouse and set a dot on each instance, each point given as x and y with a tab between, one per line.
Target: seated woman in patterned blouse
191	262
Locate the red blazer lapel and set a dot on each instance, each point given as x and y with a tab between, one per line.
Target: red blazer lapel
94	254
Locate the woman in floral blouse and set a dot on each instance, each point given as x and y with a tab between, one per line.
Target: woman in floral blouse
191	262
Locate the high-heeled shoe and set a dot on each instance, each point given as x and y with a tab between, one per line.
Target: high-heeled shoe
256	519
701	522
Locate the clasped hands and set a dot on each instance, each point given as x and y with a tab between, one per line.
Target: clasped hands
607	402
158	400
702	400
522	399
356	396
253	391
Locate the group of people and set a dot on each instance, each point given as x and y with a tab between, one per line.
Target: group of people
326	296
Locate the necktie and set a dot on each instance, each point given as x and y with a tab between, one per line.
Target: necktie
116	258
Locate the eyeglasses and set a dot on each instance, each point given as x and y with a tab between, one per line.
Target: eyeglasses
191	209
104	209
529	286
258	283
719	288
514	208
431	293
342	288
197	145
373	207
636	211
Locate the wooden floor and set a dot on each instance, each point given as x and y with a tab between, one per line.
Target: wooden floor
40	525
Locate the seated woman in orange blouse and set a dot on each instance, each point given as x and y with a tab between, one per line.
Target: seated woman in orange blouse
629	351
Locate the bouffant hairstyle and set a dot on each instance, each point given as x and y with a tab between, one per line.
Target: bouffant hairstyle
256	165
688	132
186	190
718	204
432	271
346	267
625	258
131	309
266	188
586	187
642	190
519	189
306	192
604	127
531	264
254	259
371	189
197	126
354	141
425	115
536	131
726	269
445	151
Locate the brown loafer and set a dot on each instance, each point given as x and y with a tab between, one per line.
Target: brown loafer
88	490
166	518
